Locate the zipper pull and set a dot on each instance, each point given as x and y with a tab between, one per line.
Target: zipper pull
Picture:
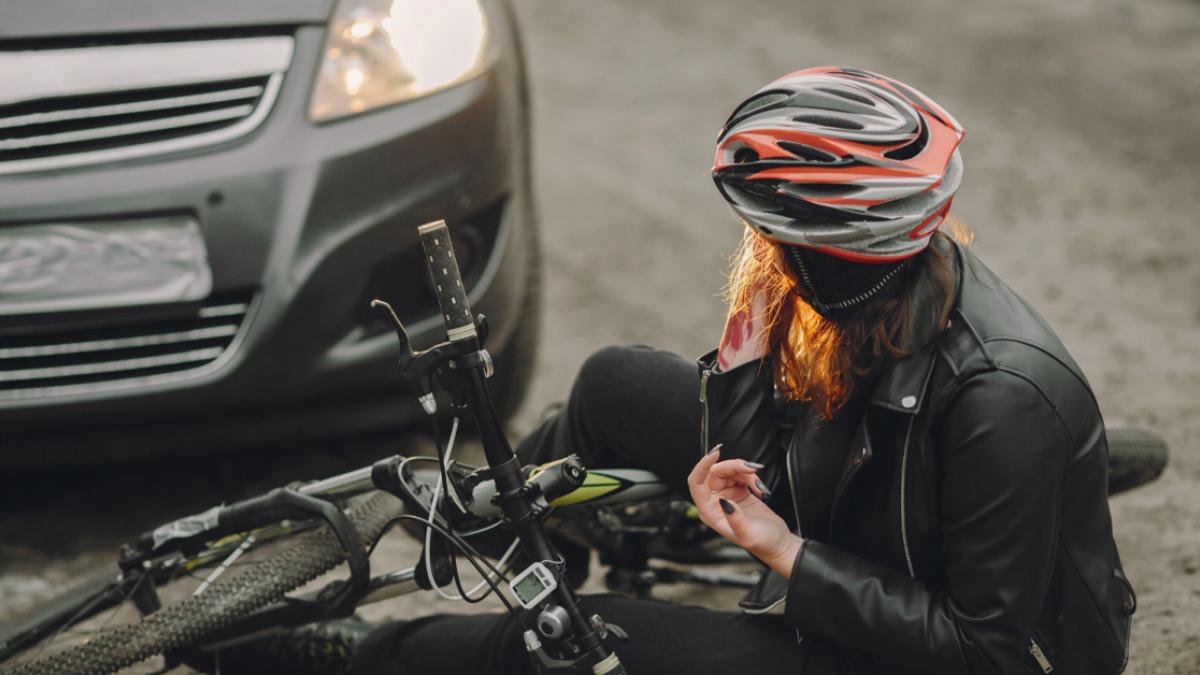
704	448
1040	656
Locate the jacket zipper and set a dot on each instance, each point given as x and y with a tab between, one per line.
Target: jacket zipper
903	501
870	291
1128	611
704	411
1040	656
792	488
1035	649
850	302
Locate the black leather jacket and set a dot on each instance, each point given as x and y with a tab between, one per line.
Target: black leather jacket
970	530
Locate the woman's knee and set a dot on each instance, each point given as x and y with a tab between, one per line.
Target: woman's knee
608	368
621	380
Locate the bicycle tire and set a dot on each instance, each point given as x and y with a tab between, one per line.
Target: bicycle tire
189	621
1135	457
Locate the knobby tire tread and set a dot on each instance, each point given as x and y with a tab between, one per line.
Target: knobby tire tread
1135	457
189	621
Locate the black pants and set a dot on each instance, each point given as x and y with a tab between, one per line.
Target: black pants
629	407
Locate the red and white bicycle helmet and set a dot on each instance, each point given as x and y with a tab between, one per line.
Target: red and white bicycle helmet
844	161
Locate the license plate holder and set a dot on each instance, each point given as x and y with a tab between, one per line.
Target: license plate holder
72	266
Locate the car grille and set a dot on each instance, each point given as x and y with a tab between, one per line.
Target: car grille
117	102
113	357
76	125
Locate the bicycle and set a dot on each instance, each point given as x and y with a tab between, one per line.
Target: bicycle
259	550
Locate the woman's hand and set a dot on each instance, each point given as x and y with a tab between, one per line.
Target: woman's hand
729	496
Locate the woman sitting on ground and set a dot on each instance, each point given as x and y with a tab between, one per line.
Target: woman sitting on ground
890	429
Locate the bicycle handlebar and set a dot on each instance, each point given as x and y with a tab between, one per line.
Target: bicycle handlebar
447	281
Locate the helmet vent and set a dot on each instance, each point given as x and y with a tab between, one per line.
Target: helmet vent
829	121
822	189
906	152
744	155
857	72
751	194
757	103
850	96
806	152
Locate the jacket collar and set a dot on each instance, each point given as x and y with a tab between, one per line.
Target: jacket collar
903	384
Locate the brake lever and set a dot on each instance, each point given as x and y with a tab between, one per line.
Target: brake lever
420	367
408	357
406	351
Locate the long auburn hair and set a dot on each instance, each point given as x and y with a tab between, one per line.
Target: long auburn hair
818	360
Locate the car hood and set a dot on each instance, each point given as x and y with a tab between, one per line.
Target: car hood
26	19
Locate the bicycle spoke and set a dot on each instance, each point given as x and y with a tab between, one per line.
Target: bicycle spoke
116	610
225	564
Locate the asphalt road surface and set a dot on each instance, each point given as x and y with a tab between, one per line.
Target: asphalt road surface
1082	156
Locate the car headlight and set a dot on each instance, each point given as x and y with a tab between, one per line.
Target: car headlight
381	52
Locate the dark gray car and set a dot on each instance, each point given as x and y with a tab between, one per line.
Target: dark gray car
198	201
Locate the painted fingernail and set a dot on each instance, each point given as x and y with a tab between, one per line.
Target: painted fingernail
755	465
766	492
725	505
715	448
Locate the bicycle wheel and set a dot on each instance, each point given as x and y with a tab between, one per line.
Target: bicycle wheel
192	618
1135	457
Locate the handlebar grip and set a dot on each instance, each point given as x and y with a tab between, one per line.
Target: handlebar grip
447	281
561	477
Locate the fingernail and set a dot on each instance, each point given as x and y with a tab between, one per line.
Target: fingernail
725	505
754	465
715	448
766	492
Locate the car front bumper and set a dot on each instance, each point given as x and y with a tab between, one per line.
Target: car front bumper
309	222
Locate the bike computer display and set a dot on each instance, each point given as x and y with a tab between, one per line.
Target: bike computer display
533	585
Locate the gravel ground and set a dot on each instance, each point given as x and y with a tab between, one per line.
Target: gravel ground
1081	133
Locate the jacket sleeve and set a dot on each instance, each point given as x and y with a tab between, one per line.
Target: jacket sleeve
1004	452
738	409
